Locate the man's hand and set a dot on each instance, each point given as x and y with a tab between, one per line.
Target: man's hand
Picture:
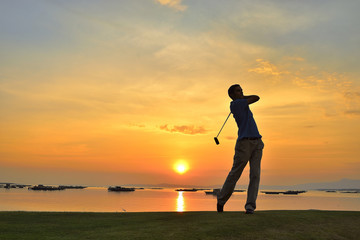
251	99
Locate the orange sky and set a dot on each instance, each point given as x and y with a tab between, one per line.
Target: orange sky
117	93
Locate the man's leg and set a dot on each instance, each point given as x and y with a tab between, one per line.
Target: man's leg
253	189
241	157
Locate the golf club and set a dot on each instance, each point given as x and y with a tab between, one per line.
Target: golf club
216	138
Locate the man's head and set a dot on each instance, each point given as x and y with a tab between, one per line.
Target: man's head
235	92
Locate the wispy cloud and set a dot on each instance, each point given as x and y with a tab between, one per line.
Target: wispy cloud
230	138
175	4
352	94
265	67
324	81
137	125
190	129
353	112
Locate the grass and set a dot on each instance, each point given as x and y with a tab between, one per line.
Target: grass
189	225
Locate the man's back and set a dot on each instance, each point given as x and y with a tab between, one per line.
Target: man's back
244	119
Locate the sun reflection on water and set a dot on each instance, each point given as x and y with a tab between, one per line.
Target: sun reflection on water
180	203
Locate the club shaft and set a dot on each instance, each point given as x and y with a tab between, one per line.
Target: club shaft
223	125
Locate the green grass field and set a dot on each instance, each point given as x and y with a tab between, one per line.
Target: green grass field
189	225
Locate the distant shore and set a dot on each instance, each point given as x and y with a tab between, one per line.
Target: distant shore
308	224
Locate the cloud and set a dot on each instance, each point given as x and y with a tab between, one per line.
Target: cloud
324	81
230	138
136	125
192	130
175	4
353	112
289	109
351	94
265	67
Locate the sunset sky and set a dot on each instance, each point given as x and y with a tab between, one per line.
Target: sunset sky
117	92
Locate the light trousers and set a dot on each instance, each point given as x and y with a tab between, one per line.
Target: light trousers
245	151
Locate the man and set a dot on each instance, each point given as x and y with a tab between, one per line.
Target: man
248	148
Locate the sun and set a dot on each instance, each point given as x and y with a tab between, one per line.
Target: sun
181	167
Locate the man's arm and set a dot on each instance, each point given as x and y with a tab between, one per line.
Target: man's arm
251	99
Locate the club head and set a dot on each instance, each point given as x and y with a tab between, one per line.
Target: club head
216	141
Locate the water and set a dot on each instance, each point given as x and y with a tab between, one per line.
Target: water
96	199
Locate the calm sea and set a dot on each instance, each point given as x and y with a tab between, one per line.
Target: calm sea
97	199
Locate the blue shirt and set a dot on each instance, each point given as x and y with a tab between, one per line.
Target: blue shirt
244	119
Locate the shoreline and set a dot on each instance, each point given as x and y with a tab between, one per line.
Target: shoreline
180	212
